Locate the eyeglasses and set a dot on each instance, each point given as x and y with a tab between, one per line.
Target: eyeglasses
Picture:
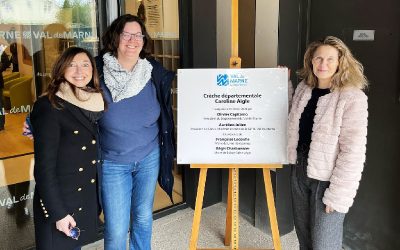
128	36
74	233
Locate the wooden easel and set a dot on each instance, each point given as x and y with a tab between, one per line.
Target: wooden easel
232	208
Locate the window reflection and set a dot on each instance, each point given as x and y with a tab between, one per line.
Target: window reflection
33	33
32	36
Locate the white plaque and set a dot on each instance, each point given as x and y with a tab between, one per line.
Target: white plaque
363	35
233	116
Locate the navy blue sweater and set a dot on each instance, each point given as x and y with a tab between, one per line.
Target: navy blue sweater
129	128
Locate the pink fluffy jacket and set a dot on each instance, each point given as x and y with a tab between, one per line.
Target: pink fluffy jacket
338	141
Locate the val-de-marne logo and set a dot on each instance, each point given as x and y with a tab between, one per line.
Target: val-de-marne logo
222	80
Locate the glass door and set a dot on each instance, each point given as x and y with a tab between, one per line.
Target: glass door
32	35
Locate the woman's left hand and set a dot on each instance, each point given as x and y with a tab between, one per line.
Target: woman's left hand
328	209
283	66
64	225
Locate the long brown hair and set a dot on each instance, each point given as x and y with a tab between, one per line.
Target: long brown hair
112	35
350	72
58	72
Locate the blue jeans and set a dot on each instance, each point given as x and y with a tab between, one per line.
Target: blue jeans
128	194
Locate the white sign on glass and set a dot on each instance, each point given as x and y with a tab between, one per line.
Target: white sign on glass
232	116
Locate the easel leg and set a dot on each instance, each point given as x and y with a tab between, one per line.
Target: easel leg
271	209
228	224
198	207
235	209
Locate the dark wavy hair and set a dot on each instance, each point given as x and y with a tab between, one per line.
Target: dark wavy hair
112	35
58	73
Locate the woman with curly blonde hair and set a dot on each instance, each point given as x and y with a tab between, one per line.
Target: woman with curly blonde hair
326	142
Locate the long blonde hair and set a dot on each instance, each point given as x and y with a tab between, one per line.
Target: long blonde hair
350	72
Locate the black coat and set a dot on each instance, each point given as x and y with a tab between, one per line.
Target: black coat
162	79
66	158
4	64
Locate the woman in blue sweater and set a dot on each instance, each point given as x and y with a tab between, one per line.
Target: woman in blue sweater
136	133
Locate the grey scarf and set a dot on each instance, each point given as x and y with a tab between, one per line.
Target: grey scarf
122	83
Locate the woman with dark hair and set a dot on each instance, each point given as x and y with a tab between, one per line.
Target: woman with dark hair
64	121
326	142
136	133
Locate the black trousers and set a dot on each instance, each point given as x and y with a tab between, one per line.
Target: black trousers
315	228
2	111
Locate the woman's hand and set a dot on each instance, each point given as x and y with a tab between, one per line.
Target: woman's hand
328	209
280	66
64	225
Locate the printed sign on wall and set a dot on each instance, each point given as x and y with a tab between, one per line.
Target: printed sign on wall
235	116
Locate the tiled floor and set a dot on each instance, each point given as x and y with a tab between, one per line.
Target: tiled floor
173	232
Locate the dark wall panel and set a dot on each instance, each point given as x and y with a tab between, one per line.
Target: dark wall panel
291	31
199	50
204	31
247	18
373	222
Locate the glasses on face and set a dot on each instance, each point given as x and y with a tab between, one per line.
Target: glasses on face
320	59
128	36
74	233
